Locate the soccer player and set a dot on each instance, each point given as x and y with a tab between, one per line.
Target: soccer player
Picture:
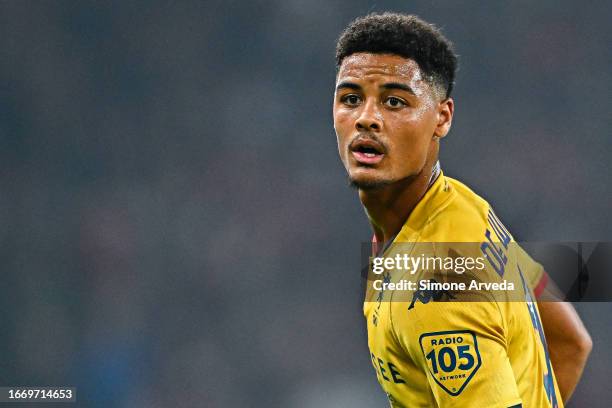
392	106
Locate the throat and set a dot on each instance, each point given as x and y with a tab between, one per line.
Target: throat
389	207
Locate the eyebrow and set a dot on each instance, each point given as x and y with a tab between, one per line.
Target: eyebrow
388	85
398	85
347	85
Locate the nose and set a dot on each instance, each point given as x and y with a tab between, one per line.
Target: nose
369	118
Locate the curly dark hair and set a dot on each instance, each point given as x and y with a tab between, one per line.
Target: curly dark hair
404	35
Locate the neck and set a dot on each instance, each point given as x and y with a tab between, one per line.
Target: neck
389	207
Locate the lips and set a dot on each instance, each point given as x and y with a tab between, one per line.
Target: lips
367	151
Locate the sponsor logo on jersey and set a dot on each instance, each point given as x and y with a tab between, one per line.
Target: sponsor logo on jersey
425	296
452	358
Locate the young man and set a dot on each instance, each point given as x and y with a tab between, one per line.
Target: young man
392	106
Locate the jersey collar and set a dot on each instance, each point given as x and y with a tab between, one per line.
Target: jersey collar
437	194
435	199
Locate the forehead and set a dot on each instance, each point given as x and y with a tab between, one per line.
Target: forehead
372	66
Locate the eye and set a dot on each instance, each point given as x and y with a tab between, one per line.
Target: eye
350	99
394	102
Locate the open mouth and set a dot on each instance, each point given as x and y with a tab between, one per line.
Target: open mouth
367	151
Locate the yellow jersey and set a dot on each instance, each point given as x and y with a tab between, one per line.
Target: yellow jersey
447	348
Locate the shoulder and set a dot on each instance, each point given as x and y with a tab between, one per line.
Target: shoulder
465	218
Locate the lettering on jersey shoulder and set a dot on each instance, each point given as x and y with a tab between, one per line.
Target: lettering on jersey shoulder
495	246
452	358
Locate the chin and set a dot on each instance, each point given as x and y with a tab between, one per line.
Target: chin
368	183
365	180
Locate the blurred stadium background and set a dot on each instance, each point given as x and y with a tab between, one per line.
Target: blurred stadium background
177	229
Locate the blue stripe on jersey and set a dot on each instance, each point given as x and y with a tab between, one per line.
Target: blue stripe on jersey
549	384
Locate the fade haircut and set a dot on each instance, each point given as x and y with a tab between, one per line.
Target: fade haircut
407	36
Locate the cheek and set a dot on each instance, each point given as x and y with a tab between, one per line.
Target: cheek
342	125
419	128
411	142
342	133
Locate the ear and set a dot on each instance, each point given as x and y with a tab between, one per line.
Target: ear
445	117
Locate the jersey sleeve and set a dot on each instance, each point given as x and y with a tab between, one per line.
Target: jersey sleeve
534	272
461	346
